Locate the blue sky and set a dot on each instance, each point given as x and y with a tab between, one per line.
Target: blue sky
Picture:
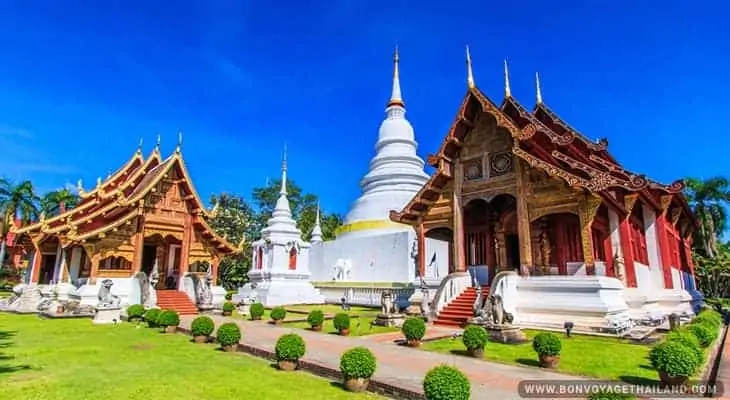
82	81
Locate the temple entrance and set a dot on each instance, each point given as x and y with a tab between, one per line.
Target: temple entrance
149	253
48	265
512	250
439	251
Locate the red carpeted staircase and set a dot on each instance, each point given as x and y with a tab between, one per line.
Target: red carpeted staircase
459	311
176	300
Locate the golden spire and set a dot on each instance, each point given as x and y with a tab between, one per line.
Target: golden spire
179	142
539	90
469	73
282	191
507	90
396	99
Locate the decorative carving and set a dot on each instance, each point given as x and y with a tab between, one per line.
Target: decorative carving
106	299
527	132
587	213
545	248
665	201
388	306
620	266
494	313
676	212
204	292
630	202
473	169
500	163
550	169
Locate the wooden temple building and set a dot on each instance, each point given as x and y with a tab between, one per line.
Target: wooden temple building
522	190
145	216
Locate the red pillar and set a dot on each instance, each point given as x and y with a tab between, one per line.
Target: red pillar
664	250
628	253
421	251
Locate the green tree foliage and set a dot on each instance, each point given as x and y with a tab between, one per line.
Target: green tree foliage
233	219
58	201
713	273
709	199
303	206
17	200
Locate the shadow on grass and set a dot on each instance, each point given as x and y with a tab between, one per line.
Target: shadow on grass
638	380
528	361
5	367
338	385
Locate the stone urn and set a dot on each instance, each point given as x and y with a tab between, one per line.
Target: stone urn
549	361
413	343
356	385
227	313
345	332
287	365
669	380
170	329
276	321
256	318
230	348
317	328
200	339
476	353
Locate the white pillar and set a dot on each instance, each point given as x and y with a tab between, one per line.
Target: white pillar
652	247
613	224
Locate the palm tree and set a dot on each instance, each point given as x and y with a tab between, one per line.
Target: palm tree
16	201
708	199
58	201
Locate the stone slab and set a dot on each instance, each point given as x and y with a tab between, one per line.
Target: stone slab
104	316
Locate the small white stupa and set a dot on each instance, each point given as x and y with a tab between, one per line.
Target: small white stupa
280	271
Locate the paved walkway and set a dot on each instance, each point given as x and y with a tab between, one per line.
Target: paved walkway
397	365
723	370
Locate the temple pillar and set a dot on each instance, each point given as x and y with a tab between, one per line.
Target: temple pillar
138	241
489	243
663	238
214	263
64	273
185	248
459	255
625	235
36	263
95	259
587	208
421	232
523	218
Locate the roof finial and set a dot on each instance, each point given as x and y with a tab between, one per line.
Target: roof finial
159	140
395	97
179	142
507	90
80	186
469	73
283	174
539	90
139	146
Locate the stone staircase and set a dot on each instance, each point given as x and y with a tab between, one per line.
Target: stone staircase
176	300
459	310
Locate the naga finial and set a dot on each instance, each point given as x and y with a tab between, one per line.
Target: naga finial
214	211
98	182
159	140
80	186
139	146
538	88
179	142
42	217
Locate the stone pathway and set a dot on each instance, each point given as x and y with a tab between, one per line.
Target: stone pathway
397	366
432	333
723	371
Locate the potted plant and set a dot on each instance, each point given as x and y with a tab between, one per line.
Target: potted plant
342	324
228	308
674	361
357	366
414	329
228	335
445	382
257	311
547	346
168	320
277	315
316	320
475	338
135	313
704	333
201	328
289	349
150	316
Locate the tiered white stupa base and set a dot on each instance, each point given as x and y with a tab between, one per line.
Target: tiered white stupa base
88	294
657	304
280	290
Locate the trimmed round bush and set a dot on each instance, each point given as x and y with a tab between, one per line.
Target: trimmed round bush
168	318
687	339
229	295
705	335
446	383
228	334
474	337
358	362
315	318
674	358
414	329
547	344
709	318
135	312
278	313
290	347
228	307
610	395
202	326
150	316
341	321
257	310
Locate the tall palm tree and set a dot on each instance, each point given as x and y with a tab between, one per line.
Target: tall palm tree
709	199
16	201
58	201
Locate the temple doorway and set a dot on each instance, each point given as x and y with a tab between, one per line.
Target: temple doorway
48	265
149	253
512	250
434	258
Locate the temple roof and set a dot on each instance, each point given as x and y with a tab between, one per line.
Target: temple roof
117	200
547	143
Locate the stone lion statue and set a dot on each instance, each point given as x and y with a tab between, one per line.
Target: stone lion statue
388	305
105	297
495	313
205	293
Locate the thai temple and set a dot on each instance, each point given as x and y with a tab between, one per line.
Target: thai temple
519	203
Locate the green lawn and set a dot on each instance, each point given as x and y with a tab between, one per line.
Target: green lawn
600	357
333	309
73	359
358	326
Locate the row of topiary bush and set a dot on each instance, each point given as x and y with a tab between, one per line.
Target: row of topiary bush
683	351
154	317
